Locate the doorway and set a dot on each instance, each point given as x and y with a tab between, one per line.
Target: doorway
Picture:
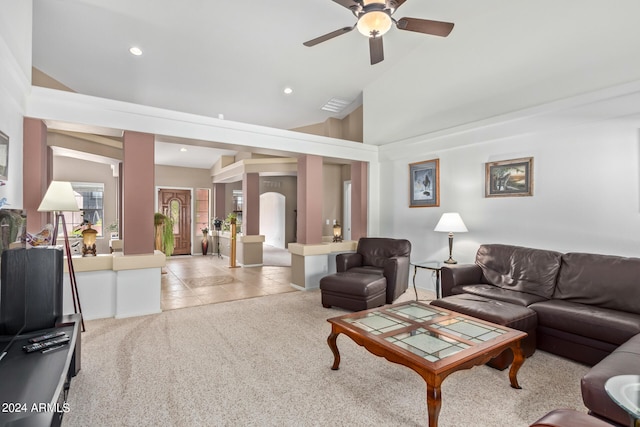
346	211
176	204
272	219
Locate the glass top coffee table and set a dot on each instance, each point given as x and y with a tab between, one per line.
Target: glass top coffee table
432	341
625	391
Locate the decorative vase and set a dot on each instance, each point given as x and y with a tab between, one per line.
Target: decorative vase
205	244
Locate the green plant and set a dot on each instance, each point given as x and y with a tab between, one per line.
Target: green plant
164	233
113	226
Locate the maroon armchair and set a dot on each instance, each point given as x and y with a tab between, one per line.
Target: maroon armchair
380	256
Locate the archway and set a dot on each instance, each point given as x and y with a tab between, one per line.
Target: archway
272	219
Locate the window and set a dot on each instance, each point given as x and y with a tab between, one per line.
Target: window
90	198
202	209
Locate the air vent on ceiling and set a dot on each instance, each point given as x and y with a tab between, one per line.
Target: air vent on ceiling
336	105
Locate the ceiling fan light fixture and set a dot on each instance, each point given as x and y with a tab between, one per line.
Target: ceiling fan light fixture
374	23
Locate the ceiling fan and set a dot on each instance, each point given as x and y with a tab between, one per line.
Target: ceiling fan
375	19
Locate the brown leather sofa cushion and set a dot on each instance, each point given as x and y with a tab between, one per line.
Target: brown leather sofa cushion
600	280
533	271
506	295
598	323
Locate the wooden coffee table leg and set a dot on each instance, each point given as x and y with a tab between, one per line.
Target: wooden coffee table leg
518	360
331	340
434	402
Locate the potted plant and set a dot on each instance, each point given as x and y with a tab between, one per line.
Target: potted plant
164	233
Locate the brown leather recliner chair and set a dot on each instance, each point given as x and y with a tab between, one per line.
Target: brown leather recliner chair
380	256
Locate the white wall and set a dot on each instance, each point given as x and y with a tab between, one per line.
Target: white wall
586	193
15	81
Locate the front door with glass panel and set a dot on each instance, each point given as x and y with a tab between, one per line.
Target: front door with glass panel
177	205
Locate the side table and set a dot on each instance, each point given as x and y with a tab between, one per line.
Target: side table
625	391
434	266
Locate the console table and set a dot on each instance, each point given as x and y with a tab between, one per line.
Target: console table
34	385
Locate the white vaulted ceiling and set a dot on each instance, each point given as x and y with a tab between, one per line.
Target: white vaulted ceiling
235	58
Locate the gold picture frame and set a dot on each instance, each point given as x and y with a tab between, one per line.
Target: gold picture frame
424	184
4	156
509	178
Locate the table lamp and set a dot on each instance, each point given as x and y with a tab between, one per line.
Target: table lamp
451	223
89	240
337	232
60	198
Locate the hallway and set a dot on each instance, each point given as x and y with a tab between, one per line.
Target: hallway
193	280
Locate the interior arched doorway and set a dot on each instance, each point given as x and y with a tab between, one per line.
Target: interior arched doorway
272	219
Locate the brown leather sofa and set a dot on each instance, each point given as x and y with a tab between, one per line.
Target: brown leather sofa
377	273
569	418
587	307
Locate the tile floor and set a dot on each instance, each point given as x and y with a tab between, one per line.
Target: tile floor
196	280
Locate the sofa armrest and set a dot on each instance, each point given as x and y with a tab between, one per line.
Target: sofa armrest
457	275
569	418
396	271
348	260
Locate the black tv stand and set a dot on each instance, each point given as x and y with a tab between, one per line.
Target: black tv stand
34	386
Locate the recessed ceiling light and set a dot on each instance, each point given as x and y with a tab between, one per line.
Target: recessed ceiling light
183	149
288	91
135	51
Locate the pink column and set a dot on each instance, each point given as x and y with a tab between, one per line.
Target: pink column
359	199
251	208
310	194
219	207
138	191
36	172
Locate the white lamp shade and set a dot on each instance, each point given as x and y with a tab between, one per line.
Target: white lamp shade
451	223
59	198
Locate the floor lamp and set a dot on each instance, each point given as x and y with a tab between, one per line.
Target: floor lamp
59	198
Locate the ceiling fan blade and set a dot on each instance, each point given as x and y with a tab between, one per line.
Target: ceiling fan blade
375	50
349	4
426	26
328	36
395	4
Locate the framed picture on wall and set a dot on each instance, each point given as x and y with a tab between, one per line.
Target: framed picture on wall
509	178
4	156
424	184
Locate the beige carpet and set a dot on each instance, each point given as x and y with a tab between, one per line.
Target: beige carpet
265	362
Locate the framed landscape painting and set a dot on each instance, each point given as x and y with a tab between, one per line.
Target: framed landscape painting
4	156
509	178
424	184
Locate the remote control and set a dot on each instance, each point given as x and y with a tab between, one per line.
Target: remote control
48	336
37	346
